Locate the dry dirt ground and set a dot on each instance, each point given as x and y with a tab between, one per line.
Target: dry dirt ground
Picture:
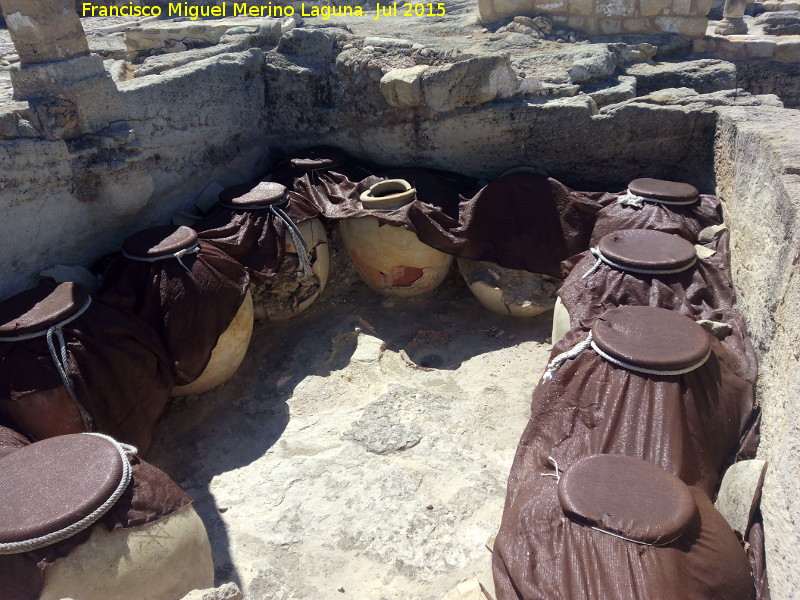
362	450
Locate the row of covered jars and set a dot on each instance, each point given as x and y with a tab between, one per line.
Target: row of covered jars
176	310
648	397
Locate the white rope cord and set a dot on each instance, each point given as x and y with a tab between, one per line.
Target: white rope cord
557	361
602	258
298	240
631	199
177	255
60	356
627	539
557	474
57	536
631	367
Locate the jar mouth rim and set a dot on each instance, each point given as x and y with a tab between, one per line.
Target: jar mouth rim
388	194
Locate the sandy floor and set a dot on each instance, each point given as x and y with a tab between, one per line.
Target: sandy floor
362	450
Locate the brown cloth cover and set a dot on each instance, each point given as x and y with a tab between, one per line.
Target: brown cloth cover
540	554
686	221
325	177
253	236
10	440
690	425
188	310
117	365
756	553
697	292
150	496
520	221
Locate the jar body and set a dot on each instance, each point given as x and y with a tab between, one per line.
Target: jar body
561	321
44	413
227	355
163	560
509	291
391	260
290	292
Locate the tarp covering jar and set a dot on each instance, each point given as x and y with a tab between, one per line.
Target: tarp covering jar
325	177
255	224
613	527
667	206
646	382
94	490
646	268
71	363
186	289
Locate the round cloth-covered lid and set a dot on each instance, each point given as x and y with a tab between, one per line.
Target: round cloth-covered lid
37	309
659	189
160	241
321	157
647	249
263	194
55	483
651	338
628	497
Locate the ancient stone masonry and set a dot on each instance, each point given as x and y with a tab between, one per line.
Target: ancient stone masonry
609	17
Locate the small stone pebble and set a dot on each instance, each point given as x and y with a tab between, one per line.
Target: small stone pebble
429	507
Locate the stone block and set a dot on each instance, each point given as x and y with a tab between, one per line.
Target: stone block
576	22
686	26
616	8
682	7
229	591
650	8
493	10
638	25
470	82
581	7
610	26
788	51
551	6
760	48
740	492
596	66
702	7
45	31
402	88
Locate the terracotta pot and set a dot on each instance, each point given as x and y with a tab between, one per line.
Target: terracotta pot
392	260
227	354
509	291
290	291
561	321
165	559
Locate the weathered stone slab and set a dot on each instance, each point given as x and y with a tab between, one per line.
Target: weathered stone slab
402	88
469	82
703	76
45	31
740	493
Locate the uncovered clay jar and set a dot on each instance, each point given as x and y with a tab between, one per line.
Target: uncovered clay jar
82	517
613	526
275	236
72	363
509	291
391	259
196	298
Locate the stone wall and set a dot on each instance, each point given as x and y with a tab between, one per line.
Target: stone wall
609	17
758	176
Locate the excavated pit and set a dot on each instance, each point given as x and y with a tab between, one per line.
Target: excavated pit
363	448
